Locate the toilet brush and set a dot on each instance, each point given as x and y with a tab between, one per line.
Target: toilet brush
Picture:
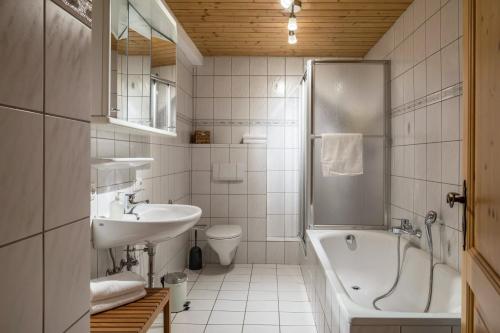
195	255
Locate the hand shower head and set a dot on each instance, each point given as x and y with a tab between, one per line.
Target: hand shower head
430	218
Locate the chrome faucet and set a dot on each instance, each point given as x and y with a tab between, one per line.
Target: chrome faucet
131	204
406	228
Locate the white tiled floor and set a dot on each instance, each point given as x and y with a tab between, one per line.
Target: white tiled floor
246	299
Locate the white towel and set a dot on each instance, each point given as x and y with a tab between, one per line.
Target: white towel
113	302
254	139
115	285
342	154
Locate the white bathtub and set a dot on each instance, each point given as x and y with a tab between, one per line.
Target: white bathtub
331	269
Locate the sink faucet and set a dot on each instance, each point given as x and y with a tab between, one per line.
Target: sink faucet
131	204
406	228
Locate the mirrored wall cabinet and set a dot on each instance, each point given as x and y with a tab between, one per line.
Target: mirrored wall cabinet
136	60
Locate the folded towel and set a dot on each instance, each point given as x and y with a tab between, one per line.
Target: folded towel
113	302
254	141
115	285
254	136
342	154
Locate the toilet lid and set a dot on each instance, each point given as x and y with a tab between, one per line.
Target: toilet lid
223	231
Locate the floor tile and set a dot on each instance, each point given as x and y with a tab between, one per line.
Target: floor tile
263	278
256	306
262	318
211	278
286	306
234	286
296	319
226	318
298	329
223	329
233	295
187	328
202	294
264	271
225	305
262	296
290	279
261	329
293	296
192	317
201	304
237	278
264	286
264	266
207	285
291	286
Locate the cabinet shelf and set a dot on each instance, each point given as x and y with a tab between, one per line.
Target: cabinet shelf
120	163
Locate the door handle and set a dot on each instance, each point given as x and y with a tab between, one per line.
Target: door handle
451	199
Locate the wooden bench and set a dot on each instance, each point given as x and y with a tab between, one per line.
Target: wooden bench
135	317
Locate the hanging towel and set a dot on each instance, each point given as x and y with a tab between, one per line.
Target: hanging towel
113	302
341	154
115	285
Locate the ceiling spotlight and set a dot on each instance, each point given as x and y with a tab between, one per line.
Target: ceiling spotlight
286	3
292	23
292	39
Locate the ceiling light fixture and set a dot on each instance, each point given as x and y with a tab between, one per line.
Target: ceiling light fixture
286	3
292	23
292	38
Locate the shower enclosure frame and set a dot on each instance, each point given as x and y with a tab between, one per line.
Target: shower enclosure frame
308	139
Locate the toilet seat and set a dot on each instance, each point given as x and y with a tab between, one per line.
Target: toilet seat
223	231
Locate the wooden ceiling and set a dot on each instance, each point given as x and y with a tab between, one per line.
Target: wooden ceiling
335	28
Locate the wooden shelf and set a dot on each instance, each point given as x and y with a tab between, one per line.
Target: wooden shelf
135	317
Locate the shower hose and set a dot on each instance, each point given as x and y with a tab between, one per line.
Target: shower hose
398	274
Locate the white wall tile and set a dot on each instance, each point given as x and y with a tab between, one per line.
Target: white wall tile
67	166
68	59
240	108
240	66
22	171
256	205
205	86
240	86
222	108
222	66
433	64
67	274
275	253
449	22
451	119
433	35
434	122
21	29
207	68
450	65
222	86
258	108
276	86
258	65
276	66
21	304
258	86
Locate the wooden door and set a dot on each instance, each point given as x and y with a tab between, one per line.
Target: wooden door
481	260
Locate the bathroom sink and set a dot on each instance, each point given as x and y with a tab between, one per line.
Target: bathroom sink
150	223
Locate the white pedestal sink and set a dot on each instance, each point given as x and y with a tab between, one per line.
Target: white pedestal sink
149	225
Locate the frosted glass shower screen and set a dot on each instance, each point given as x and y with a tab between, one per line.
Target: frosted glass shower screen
349	97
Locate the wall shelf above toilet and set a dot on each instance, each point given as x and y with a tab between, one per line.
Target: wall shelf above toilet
120	163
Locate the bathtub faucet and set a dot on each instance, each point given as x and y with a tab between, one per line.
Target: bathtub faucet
406	228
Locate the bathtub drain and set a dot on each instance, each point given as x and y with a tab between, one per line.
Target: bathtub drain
356	287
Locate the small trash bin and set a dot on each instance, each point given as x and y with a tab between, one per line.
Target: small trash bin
177	282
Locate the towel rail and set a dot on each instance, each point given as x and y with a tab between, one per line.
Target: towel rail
314	137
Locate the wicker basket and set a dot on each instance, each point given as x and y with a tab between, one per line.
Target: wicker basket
201	137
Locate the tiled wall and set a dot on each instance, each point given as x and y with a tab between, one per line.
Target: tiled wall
167	178
235	96
44	130
425	46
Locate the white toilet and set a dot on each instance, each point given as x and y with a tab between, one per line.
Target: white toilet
224	240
